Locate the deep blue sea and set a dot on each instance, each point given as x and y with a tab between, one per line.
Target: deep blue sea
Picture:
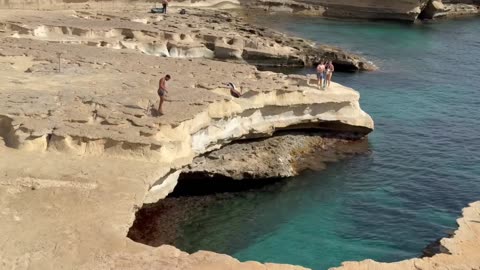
407	191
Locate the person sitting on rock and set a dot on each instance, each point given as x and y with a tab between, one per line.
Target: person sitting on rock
162	91
320	74
233	90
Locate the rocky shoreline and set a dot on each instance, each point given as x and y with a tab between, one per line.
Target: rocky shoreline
233	170
81	151
280	156
200	34
409	11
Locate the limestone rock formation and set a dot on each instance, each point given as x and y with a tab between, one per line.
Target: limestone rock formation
434	8
408	10
203	34
455	8
276	157
469	8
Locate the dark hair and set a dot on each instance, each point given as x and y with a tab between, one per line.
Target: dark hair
168	76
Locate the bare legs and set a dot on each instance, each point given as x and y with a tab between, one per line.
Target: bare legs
162	99
329	79
320	83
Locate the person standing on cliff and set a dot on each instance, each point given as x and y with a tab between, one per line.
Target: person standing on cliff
320	74
162	91
330	69
165	5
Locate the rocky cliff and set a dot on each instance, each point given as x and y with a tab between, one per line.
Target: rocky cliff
409	10
406	10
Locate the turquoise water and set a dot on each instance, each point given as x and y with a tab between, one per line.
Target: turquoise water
422	168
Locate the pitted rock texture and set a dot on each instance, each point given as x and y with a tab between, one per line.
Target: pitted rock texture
93	101
276	157
200	34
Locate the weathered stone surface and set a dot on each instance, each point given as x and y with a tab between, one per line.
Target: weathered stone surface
203	34
460	9
408	10
277	157
434	9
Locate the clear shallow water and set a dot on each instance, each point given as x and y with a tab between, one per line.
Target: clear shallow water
387	205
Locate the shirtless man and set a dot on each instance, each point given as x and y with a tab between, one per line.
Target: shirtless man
162	91
320	74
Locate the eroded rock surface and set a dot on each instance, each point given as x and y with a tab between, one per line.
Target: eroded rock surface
200	34
277	157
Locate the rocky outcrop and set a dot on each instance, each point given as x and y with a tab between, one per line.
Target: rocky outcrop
461	9
407	10
437	9
434	9
206	34
410	10
276	157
